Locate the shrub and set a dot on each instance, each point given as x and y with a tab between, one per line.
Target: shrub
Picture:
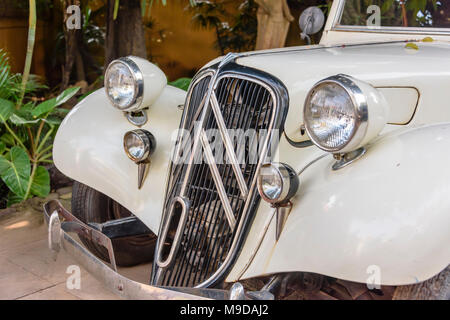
26	133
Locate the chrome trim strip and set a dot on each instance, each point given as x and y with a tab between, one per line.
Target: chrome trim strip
218	180
394	30
177	239
195	148
228	145
200	76
266	226
227	59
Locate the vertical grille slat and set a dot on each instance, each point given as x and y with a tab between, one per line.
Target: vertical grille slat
207	239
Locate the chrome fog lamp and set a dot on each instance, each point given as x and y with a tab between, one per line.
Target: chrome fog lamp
133	83
139	145
342	114
277	183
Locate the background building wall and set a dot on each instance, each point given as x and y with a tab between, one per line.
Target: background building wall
13	39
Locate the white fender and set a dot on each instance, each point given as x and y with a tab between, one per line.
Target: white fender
384	218
89	148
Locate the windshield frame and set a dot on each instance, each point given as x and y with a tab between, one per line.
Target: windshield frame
336	26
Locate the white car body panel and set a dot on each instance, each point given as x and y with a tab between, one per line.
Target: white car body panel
89	148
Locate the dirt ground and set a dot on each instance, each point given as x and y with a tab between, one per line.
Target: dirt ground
27	267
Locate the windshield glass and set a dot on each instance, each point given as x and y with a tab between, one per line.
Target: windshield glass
397	13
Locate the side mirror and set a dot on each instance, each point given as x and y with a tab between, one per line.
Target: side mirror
311	21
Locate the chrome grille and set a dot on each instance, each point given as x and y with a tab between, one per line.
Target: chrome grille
220	197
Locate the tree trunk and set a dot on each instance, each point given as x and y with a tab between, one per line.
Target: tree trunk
125	35
274	18
71	37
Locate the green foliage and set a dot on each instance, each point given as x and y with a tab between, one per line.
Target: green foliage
15	170
41	182
234	32
182	83
26	132
49	105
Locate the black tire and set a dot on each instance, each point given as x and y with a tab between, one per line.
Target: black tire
436	288
89	205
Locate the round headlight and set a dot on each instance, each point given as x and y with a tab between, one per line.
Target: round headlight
139	144
336	113
124	84
277	183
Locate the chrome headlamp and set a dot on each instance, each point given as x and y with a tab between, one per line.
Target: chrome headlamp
342	113
124	84
277	183
133	83
139	145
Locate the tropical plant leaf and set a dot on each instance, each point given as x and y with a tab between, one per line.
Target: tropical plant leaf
7	139
18	120
15	171
6	109
41	183
66	95
13	199
182	83
49	105
4	68
24	115
2	147
53	120
44	107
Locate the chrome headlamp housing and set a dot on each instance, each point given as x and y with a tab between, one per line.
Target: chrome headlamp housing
277	183
342	113
124	84
139	145
133	83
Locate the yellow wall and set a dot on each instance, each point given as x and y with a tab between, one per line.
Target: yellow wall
13	39
179	48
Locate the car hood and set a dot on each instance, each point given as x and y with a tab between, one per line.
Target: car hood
391	65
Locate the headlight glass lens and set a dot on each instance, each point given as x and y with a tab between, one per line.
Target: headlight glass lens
271	182
134	146
121	86
330	116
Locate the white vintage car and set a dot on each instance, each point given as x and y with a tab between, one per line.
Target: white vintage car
305	167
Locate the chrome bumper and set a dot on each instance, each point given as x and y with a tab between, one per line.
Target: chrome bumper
60	222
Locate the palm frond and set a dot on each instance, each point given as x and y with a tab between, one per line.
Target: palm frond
5	68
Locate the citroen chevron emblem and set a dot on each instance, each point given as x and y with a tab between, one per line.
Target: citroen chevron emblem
202	139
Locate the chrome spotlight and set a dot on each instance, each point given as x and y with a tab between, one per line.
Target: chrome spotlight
277	184
139	145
